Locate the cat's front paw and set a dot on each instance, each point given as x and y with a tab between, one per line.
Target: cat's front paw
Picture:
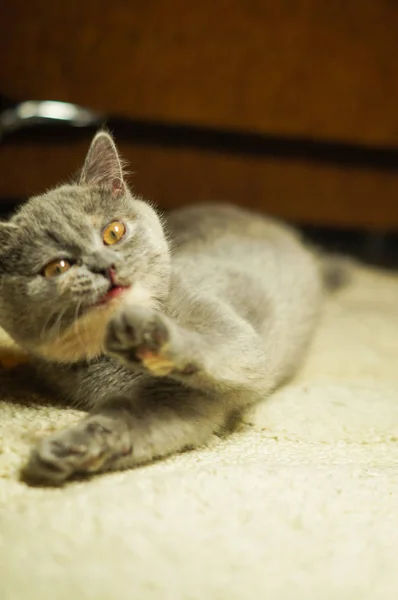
91	446
140	336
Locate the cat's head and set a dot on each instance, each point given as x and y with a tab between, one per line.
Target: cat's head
70	257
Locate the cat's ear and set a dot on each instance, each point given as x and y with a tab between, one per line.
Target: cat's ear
8	237
103	164
8	231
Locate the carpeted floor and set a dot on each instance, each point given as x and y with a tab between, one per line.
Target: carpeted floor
302	503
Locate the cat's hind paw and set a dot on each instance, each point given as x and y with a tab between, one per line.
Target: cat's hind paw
93	445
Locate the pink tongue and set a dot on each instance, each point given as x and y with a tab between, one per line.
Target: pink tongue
114	292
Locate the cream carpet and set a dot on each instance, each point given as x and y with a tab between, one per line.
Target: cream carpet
302	503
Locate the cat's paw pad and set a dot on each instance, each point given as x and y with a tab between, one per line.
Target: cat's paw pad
88	447
140	336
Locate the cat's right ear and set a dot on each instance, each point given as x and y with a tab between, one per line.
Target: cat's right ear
103	165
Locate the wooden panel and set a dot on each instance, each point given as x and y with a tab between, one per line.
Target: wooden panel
295	67
297	190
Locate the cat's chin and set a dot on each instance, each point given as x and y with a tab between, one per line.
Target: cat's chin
83	340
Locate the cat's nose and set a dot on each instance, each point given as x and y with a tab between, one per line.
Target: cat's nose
104	272
100	264
107	272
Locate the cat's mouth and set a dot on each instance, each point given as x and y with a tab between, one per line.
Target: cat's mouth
114	292
115	289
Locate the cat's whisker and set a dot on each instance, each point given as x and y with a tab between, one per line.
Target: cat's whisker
58	323
77	322
48	325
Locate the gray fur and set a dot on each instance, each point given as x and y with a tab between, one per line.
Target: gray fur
221	307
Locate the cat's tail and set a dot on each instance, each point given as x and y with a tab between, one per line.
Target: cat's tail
337	270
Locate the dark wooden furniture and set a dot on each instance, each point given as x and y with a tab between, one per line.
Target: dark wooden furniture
295	70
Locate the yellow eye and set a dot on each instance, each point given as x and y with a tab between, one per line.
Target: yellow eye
56	267
113	233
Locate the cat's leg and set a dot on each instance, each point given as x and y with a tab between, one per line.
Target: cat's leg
220	351
123	433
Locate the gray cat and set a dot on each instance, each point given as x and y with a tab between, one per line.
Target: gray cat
165	331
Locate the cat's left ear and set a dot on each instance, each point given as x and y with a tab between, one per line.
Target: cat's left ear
103	164
8	231
8	236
